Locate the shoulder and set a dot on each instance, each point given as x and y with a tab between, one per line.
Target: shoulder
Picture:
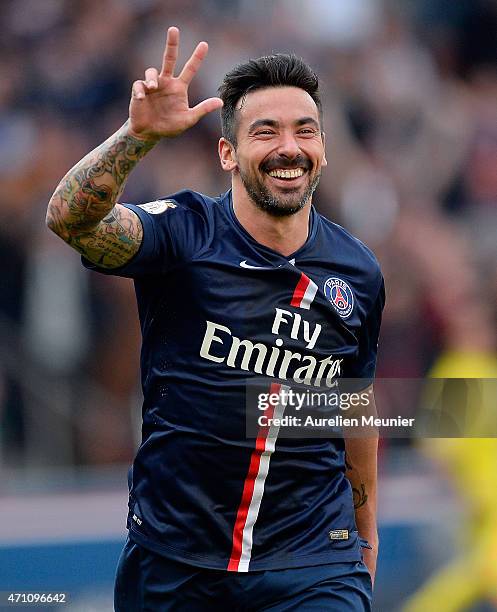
351	251
181	201
183	209
182	223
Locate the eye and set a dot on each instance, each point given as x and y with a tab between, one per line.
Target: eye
264	133
307	131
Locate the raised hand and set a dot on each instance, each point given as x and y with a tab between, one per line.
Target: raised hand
159	103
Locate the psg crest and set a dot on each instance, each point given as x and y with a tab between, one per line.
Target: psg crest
340	296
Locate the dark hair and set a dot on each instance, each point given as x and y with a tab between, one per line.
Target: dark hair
280	70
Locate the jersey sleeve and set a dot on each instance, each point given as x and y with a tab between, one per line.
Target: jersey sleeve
364	366
174	231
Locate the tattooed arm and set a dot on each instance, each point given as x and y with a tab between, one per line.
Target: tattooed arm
83	211
361	469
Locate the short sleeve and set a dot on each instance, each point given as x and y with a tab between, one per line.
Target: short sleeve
364	366
174	230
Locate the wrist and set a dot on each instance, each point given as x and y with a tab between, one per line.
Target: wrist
371	537
374	542
142	137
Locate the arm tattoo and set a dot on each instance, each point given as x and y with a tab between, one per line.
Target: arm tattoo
359	494
82	210
113	241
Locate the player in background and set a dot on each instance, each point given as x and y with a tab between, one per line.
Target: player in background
468	458
216	523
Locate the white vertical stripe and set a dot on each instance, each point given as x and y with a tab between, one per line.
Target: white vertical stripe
309	295
255	502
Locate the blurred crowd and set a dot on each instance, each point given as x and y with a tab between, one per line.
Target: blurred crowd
410	101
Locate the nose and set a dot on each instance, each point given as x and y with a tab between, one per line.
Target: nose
288	146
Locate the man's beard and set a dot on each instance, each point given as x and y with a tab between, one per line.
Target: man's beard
277	207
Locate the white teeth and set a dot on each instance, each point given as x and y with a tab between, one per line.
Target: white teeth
287	174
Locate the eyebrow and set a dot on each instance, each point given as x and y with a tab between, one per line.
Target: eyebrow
272	123
307	120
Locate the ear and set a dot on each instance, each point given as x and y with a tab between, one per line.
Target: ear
323	138
227	155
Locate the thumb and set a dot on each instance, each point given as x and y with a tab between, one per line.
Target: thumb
205	107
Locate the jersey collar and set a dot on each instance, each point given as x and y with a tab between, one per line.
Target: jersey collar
227	203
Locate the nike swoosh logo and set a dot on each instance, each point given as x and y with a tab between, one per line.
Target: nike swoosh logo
244	264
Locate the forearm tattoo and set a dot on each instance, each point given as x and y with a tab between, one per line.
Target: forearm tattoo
360	496
82	210
359	493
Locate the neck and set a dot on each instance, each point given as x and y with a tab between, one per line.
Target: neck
284	235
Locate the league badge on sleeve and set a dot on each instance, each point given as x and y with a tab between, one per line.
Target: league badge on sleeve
340	296
158	206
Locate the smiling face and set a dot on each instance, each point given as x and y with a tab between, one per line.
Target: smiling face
279	151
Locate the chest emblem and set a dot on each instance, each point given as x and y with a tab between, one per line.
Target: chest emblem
340	296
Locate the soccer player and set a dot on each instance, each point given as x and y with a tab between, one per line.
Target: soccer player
252	283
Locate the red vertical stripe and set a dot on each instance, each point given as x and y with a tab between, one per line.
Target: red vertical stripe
248	488
300	290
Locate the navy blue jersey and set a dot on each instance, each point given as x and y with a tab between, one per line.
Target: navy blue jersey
216	310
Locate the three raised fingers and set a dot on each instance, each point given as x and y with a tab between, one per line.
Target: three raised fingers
150	83
170	52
